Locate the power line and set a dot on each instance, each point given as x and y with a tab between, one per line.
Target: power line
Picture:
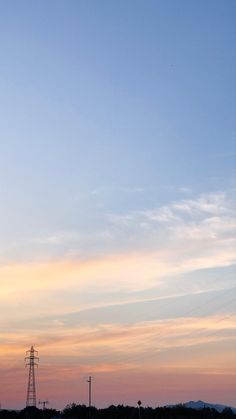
187	313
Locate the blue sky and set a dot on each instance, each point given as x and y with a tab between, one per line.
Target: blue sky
117	170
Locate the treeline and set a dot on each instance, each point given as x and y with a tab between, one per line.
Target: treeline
74	411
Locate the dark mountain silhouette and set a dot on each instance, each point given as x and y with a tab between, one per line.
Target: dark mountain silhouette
199	405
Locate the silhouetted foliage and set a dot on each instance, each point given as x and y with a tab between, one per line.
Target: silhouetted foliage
34	413
228	413
77	411
29	413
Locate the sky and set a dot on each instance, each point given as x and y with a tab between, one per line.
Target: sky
117	214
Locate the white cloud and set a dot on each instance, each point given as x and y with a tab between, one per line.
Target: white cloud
211	216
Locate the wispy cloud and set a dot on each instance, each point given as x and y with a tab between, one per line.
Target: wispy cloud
157	244
205	207
207	222
120	344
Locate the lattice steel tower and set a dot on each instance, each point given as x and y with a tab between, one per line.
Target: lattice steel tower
31	360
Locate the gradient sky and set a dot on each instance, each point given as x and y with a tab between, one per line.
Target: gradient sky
117	215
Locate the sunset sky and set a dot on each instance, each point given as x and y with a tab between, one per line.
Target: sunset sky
117	214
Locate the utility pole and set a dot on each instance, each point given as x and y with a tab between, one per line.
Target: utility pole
31	360
44	402
89	381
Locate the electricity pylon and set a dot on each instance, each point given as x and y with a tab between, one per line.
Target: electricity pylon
31	361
